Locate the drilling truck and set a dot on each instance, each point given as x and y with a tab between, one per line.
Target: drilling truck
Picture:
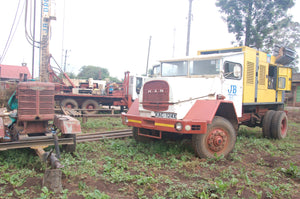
210	95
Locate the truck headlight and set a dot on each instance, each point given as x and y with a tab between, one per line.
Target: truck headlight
178	126
188	127
126	119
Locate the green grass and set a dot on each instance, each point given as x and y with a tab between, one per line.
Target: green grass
257	168
103	123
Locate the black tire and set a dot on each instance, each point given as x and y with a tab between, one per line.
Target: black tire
279	125
69	103
90	104
266	129
219	139
69	148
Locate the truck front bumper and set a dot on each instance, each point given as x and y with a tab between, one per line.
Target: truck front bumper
166	125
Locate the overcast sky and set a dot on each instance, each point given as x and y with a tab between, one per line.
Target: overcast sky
115	34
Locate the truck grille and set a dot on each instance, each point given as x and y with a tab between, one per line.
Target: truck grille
156	95
35	101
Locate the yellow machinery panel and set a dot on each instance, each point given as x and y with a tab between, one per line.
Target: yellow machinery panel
262	79
263	93
263	82
279	96
249	75
284	81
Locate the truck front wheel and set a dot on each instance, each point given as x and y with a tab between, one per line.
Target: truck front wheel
219	139
279	125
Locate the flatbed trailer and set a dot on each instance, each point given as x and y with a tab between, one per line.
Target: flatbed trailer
91	102
85	98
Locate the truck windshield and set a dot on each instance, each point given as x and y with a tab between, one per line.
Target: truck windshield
178	68
196	67
204	67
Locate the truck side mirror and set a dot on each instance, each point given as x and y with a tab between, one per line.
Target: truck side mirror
237	71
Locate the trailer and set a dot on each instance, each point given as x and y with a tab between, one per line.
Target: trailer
91	94
210	95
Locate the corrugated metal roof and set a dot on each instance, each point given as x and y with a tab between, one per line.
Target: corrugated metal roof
13	72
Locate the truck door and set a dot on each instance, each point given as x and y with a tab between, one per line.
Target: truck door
135	85
284	79
232	84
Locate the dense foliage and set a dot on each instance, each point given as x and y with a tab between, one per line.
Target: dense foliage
94	72
254	21
261	23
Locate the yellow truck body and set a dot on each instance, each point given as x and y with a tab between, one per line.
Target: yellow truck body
264	80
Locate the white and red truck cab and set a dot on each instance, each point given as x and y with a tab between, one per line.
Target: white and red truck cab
210	95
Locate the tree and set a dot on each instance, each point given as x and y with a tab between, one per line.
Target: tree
114	79
71	75
254	21
262	24
288	36
94	72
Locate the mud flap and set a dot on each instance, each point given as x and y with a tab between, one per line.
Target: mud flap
52	180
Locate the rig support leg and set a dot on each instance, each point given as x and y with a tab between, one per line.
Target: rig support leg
52	177
52	180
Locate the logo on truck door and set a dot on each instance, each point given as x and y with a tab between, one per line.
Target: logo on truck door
232	90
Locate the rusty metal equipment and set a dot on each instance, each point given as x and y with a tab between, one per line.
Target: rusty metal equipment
31	124
34	125
35	107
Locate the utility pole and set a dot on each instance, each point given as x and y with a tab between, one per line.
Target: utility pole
65	67
174	36
33	38
189	27
148	55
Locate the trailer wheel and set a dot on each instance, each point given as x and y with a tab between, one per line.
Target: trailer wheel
217	141
69	103
90	104
279	125
266	129
69	148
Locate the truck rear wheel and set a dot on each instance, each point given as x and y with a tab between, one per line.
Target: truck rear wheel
279	125
69	103
266	129
91	105
219	139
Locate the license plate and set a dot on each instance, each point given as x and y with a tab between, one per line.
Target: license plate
166	115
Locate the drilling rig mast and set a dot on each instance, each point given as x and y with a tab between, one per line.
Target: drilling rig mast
46	17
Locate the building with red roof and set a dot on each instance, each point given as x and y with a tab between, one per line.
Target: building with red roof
15	73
